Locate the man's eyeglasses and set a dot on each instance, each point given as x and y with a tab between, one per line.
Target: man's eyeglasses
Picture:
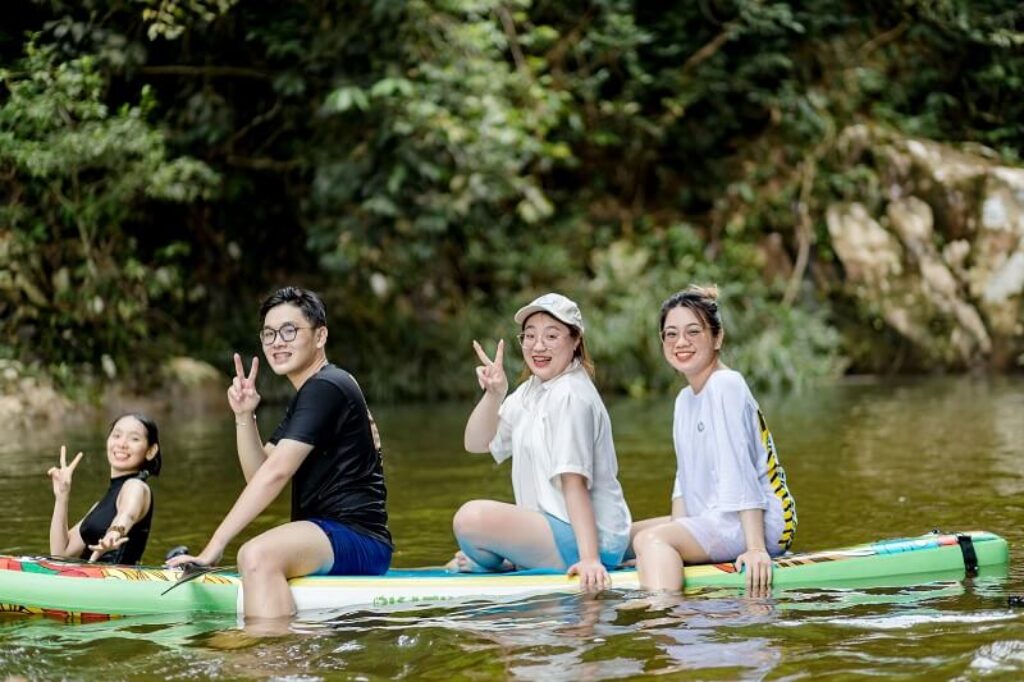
288	332
529	339
671	335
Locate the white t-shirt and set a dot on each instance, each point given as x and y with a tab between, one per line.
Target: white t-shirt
561	426
725	455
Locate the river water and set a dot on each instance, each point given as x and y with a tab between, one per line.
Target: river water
864	460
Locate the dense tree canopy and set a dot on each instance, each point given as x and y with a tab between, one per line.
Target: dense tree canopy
431	165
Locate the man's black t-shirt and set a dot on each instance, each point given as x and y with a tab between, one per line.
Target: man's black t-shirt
343	477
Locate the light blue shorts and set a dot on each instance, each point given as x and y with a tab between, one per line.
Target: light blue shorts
565	541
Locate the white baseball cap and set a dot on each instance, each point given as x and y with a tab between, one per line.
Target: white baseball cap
555	305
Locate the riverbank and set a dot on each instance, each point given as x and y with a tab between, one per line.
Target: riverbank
29	397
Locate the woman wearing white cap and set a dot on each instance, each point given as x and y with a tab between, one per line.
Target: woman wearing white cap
570	512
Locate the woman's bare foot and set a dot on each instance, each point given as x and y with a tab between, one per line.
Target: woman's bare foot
461	563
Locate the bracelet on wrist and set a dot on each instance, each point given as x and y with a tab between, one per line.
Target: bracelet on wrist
246	422
121	530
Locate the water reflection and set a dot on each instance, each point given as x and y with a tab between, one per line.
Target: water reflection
864	461
618	634
581	637
1008	434
708	634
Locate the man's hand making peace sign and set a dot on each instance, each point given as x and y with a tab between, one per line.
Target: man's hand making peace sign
242	394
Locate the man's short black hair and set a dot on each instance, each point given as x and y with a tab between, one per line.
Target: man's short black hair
307	301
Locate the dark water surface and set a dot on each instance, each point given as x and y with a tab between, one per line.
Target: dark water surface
865	461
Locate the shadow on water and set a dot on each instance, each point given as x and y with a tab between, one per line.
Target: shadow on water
864	462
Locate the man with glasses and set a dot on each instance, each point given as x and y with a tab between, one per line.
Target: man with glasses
327	445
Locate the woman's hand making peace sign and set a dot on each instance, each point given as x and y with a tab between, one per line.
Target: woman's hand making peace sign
242	395
62	477
491	375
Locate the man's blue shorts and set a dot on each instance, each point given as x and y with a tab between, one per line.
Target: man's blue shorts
565	541
354	553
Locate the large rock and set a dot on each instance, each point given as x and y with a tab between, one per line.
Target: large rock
192	373
193	386
187	387
940	253
27	398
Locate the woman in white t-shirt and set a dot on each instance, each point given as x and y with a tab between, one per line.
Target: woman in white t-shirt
730	501
570	513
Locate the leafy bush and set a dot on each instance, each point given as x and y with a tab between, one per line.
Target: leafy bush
76	180
431	165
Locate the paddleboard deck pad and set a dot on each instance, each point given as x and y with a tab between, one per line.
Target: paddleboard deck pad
78	591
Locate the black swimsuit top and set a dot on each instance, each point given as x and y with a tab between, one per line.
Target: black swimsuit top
95	524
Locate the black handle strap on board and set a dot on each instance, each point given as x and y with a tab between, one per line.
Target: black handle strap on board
970	556
192	571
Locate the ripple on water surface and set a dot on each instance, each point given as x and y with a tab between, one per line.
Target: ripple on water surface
864	462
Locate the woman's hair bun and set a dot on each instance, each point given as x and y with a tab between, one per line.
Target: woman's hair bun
709	291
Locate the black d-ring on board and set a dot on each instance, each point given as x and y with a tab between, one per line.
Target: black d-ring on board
970	556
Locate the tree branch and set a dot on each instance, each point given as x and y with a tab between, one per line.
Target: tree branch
883	38
263	163
212	71
708	51
804	230
513	40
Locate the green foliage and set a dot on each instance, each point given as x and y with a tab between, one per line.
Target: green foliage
436	149
75	176
490	157
773	345
430	165
170	18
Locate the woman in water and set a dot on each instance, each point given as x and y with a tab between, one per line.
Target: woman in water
730	501
116	528
570	513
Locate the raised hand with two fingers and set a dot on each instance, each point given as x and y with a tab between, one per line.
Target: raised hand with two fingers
491	374
242	394
61	477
